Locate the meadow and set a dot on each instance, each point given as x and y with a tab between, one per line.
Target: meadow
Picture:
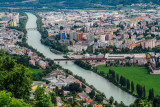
36	71
139	75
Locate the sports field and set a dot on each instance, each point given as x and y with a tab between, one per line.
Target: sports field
139	75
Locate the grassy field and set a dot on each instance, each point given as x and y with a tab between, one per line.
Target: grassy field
139	75
35	70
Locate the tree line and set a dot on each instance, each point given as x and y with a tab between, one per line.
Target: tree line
83	64
44	38
129	86
126	84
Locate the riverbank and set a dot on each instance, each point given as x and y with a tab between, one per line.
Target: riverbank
99	83
22	28
55	47
80	79
127	78
55	51
116	80
101	71
139	75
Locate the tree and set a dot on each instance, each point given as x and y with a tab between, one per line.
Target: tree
121	104
83	64
139	103
117	78
99	98
144	92
128	58
6	100
112	75
53	97
132	86
128	84
92	94
106	65
111	100
95	69
43	99
74	87
139	90
156	101
51	62
61	27
14	77
122	81
21	59
151	94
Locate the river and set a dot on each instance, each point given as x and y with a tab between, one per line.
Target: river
92	78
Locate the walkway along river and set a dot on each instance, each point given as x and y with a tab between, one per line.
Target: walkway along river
92	78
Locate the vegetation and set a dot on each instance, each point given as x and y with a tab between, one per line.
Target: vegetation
44	39
42	98
35	71
21	59
22	28
38	74
74	87
15	85
138	75
7	100
14	77
83	64
92	94
78	3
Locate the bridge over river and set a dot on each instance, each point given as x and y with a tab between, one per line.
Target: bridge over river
72	59
91	59
29	29
91	78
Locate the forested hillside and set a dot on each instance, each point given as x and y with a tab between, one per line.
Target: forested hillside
104	2
11	0
14	77
84	2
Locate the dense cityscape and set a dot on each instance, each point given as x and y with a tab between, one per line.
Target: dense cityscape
80	57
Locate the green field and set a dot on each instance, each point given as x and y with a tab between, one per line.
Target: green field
35	70
139	75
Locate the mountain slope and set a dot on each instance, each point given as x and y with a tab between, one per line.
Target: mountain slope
61	4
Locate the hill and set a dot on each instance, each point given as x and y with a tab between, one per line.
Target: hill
72	3
104	2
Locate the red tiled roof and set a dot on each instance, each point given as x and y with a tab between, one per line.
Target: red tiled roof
34	54
67	105
99	105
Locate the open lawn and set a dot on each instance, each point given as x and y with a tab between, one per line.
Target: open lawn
35	70
139	75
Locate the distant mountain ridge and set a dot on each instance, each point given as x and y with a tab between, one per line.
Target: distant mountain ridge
104	2
2	1
72	3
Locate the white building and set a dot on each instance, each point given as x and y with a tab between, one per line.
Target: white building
77	48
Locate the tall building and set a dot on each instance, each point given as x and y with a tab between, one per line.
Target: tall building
150	43
73	35
79	36
109	37
102	38
90	37
63	35
14	19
